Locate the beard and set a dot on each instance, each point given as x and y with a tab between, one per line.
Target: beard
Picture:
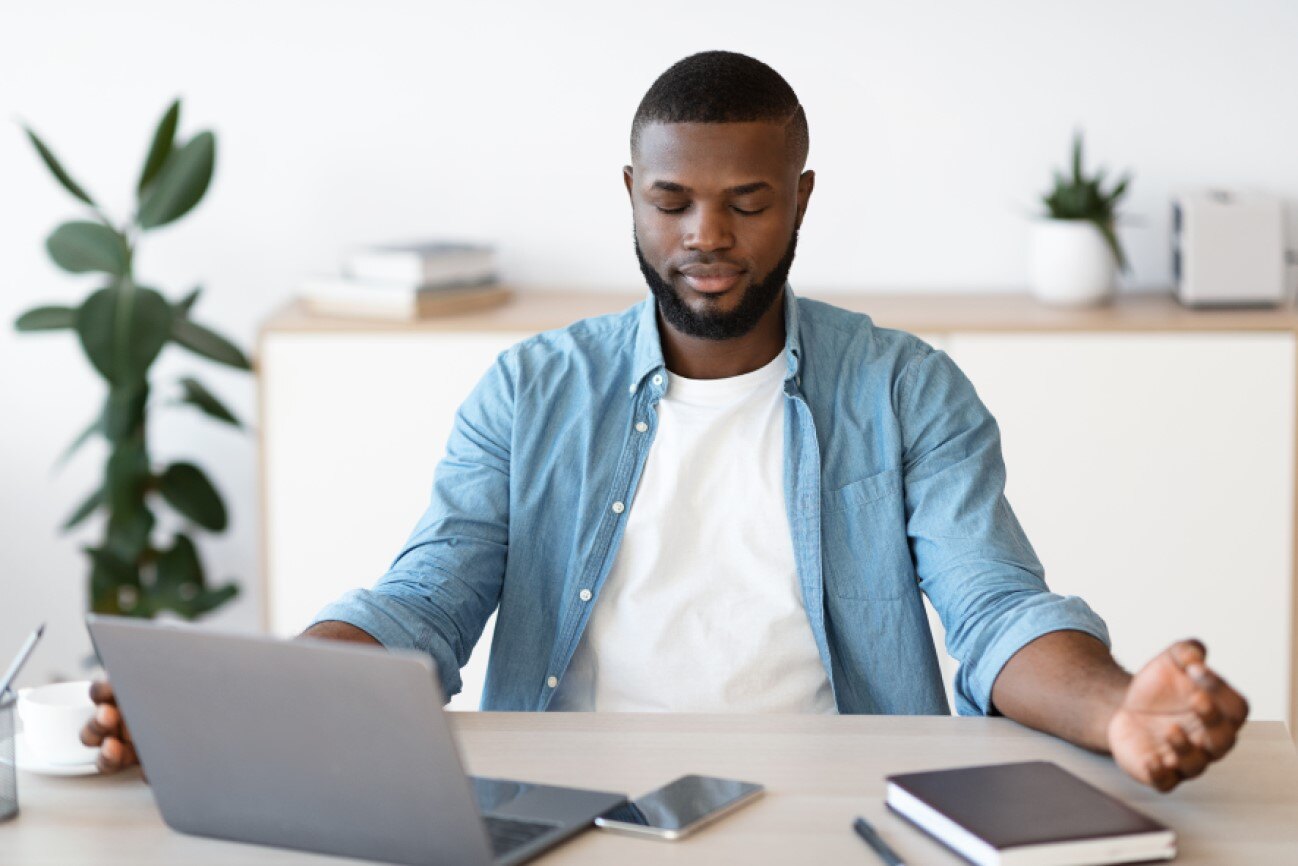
757	299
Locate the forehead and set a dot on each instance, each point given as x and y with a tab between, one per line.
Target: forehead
702	155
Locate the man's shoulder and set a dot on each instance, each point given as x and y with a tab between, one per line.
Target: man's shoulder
848	334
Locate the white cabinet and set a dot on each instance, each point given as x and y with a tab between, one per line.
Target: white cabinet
1154	476
353	425
1153	470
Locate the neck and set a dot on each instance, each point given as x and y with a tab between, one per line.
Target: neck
696	358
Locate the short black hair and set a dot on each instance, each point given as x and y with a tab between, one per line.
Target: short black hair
724	87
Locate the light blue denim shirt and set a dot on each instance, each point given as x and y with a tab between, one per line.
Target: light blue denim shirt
894	485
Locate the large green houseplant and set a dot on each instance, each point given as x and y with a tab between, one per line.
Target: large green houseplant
122	327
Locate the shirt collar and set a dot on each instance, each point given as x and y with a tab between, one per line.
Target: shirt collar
649	349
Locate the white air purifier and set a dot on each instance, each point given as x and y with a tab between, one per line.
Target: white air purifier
1228	248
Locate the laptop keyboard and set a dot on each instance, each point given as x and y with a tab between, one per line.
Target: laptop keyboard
507	834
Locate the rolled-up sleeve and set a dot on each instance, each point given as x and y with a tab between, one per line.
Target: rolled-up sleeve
972	558
442	587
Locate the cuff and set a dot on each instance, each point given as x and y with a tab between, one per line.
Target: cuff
1064	613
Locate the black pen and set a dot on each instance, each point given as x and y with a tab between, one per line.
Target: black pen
866	832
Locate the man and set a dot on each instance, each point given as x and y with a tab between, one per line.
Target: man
730	499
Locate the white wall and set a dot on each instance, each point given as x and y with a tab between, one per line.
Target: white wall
934	127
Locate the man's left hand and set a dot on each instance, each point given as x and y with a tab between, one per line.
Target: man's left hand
1176	718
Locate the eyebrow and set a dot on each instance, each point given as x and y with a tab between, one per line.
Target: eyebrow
742	189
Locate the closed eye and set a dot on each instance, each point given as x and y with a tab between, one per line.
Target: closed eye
683	208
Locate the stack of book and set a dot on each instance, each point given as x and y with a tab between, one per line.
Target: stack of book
408	281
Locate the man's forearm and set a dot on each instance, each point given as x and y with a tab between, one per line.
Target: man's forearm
1065	683
336	630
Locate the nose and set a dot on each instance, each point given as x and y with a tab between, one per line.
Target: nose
709	230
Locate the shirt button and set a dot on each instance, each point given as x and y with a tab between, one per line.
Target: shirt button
641	426
552	682
584	595
658	380
632	387
618	508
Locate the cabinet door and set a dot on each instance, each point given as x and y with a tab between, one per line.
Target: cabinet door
354	425
1153	474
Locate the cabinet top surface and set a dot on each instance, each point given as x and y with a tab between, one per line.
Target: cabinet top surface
534	310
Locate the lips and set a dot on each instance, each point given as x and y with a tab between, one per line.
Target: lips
712	279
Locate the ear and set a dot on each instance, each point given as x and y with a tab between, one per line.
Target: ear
628	179
806	183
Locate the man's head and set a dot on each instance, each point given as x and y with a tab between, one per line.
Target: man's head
718	191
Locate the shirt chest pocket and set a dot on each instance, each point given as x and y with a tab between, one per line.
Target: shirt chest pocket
864	547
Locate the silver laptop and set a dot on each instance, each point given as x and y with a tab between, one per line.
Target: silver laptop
319	746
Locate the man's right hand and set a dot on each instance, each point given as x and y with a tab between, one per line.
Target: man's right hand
107	730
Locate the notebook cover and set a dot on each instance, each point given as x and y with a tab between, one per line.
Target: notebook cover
1029	803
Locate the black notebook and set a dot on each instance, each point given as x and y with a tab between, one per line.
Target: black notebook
1027	814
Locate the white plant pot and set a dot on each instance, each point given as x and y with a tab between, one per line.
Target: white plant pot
1072	264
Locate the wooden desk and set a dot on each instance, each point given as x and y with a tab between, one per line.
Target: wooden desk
819	772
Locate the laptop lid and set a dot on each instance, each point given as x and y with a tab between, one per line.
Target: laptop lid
315	745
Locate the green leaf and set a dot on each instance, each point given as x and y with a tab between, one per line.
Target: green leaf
179	565
188	490
1120	189
210	599
128	473
1111	238
96	426
181	183
179	582
83	246
197	394
163	139
1077	157
122	329
47	319
52	163
84	510
187	303
207	343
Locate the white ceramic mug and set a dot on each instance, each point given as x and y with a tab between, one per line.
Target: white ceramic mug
53	717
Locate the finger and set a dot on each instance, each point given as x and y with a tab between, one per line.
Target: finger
115	755
1192	763
1179	744
104	723
1216	741
1205	709
101	692
1188	652
1160	776
1230	703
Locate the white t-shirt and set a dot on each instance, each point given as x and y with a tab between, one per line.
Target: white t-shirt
702	610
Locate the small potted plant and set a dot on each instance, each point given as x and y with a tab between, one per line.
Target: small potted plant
1075	250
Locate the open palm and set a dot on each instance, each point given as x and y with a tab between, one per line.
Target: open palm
1177	717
